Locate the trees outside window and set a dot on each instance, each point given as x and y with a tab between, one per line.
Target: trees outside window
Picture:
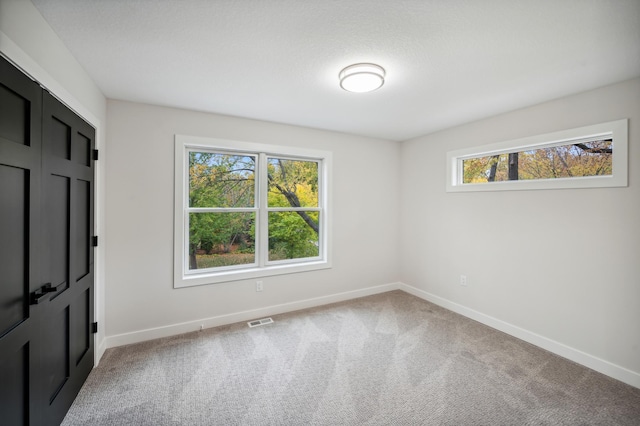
293	209
592	158
248	210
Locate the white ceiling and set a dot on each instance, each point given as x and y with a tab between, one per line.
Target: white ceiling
448	61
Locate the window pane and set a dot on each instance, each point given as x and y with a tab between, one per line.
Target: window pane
221	239
221	180
293	235
593	158
292	183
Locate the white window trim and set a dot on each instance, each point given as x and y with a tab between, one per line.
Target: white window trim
618	130
185	278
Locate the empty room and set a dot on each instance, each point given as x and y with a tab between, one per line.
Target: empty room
290	212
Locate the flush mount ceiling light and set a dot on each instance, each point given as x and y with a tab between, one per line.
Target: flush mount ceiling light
362	78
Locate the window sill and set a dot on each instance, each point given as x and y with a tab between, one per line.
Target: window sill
247	274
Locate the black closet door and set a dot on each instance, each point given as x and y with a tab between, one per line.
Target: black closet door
46	253
65	343
20	269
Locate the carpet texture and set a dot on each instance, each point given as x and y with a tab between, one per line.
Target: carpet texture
388	359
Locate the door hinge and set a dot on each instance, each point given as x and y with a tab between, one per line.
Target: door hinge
94	241
94	327
95	155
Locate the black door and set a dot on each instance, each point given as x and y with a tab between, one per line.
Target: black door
46	275
20	269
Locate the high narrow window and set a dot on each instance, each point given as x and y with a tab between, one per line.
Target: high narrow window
575	159
593	156
246	210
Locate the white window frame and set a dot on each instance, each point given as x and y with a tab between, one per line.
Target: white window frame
616	130
183	277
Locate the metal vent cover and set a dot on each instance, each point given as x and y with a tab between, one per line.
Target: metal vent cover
259	322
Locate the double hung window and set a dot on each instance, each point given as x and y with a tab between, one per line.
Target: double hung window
248	210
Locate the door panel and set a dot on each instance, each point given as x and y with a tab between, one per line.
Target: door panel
56	366
58	138
57	229
14	370
83	230
14	116
14	207
80	327
82	150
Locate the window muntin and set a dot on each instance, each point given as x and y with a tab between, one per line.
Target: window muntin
576	158
248	210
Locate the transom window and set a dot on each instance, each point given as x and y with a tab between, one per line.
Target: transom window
577	159
246	210
593	156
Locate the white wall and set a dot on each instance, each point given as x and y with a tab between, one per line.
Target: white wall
141	300
560	268
27	40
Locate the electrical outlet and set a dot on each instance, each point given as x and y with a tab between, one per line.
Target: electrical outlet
463	280
259	286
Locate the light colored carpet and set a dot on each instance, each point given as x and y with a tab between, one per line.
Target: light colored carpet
389	359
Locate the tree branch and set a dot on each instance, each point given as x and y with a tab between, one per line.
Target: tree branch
587	148
294	201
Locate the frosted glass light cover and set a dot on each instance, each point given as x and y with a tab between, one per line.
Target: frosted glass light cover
360	78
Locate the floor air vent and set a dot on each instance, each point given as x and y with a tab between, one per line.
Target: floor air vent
263	321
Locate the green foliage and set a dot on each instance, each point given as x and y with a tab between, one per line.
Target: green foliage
220	230
221	180
290	237
292	183
225	181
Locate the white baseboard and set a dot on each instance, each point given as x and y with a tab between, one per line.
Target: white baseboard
186	327
600	365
